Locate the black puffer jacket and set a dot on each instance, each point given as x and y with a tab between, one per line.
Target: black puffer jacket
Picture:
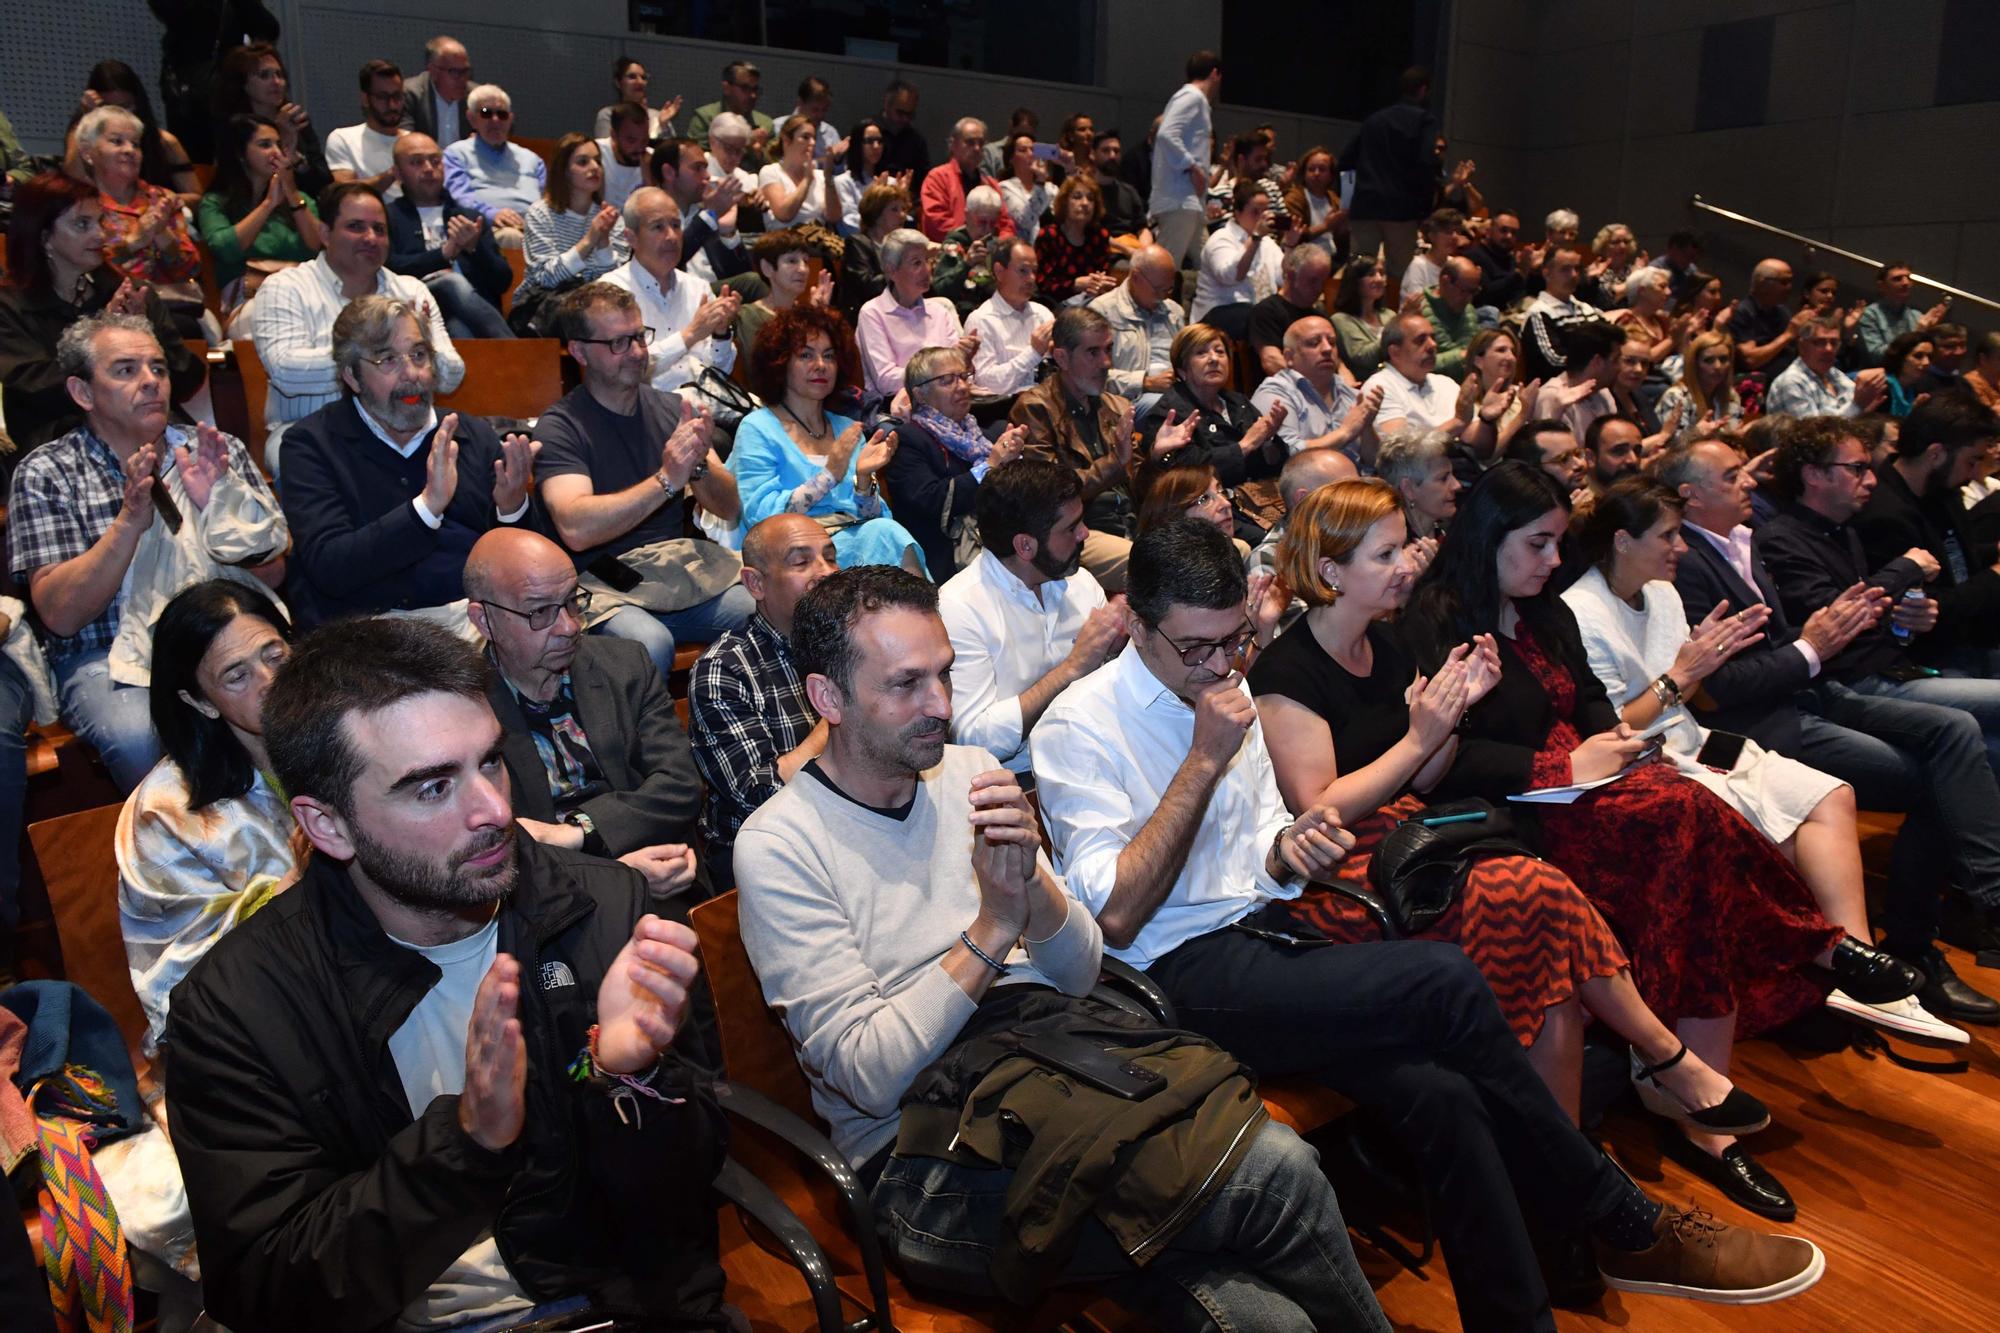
320	1204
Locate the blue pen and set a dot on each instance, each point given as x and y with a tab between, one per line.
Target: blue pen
1469	817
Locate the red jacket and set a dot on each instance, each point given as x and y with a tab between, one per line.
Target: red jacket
941	202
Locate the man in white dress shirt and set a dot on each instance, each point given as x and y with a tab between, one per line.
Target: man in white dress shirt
1411	389
1160	799
1180	161
684	313
1014	330
367	152
1026	619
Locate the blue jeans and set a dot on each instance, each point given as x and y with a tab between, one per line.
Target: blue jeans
116	719
1976	695
1268	1252
465	312
704	622
16	712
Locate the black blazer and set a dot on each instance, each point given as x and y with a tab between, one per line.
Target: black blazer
1501	734
484	266
636	737
420	112
1896	519
1812	561
928	485
1753	693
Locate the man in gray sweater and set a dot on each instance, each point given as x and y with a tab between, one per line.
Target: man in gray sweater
894	881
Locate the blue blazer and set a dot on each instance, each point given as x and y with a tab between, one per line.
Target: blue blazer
483	265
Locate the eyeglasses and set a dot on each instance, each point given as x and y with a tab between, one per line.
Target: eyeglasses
871	139
1206	499
462	70
752	88
417	358
494	113
1195	654
951	379
1859	470
622	343
577	603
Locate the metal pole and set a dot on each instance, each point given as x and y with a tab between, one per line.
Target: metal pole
1812	245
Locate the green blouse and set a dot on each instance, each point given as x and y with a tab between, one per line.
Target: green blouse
279	238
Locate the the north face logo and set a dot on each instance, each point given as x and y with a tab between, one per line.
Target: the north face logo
557	975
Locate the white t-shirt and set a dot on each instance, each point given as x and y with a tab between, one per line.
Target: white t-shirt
1431	404
745	181
619	179
363	151
432	220
811	209
429	1050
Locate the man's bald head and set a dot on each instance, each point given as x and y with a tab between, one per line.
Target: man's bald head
765	545
508	560
410	143
1310	469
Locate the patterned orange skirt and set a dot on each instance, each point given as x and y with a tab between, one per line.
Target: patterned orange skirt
1524	924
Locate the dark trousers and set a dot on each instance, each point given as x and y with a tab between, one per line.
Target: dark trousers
1410	1030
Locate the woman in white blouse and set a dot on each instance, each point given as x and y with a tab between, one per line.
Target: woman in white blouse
1636	634
794	190
1025	193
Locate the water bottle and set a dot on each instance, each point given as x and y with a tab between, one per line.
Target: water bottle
1902	633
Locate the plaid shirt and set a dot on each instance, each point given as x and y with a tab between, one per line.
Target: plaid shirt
65	496
746	707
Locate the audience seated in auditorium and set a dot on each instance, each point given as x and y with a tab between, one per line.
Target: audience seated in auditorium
107	523
795	456
1948	348
690	321
1240	264
861	168
742	85
434	101
784	261
451	249
1416	463
1906	362
163	154
1305	472
1763	325
57	276
1454	322
487	173
1612	451
1026	620
1891	315
1549	447
366	152
1074	421
730	158
1322	410
941	198
1360	315
1982	375
618	460
815	100
1494	355
1124	207
1813	386
1144	321
854	877
207	839
713	208
1182	150
943	457
1705	397
1412	391
1580	392
903	150
252	80
145	230
796	190
884	209
1302	282
454	1200
596	760
625	153
1172	487
900	322
1394	158
629	82
1783	693
1313	201
1650	662
961	267
1013	328
1229	434
1074	248
1171	829
1502	284
254	219
293	317
748	717
384	498
1553	311
572	235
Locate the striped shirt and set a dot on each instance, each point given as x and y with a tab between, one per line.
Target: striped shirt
549	242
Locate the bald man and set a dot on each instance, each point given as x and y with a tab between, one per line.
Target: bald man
753	729
1304	473
597	758
448	247
1144	319
1322	410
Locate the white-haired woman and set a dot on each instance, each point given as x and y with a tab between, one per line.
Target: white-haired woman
145	231
1615	255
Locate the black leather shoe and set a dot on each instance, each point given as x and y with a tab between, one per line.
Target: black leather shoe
1871	976
1569	1268
1736	1173
1970	928
1945	996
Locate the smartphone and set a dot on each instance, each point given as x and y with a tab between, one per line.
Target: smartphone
1093	1064
1721	751
1045	152
1649	746
616	573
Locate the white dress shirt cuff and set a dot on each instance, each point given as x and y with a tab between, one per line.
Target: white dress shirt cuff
520	511
1807	651
431	521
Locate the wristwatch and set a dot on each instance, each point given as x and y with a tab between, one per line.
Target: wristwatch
665	484
1664	689
578	819
1286	876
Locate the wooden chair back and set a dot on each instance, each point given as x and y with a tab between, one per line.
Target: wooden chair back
256	388
517	260
76	860
542	148
507	377
756	1048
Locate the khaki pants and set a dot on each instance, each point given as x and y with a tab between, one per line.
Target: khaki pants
1106	556
1397	239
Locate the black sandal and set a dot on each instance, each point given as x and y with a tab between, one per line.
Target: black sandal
1738	1113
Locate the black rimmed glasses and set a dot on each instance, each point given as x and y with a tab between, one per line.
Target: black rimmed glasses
1198	654
1859	470
622	343
950	379
542	617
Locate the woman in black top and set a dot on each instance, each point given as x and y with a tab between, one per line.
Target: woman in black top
57	275
252	79
941	457
1348	721
1229	435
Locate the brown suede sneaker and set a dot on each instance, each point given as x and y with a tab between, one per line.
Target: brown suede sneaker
1695	1256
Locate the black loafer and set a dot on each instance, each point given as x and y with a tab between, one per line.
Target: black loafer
1871	976
1736	1173
1946	996
1569	1269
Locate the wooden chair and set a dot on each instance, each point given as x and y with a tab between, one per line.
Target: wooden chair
517	260
256	388
542	148
74	855
507	377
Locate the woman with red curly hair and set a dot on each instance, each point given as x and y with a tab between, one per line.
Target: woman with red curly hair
796	457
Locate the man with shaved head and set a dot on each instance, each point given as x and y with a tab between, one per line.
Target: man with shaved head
597	758
1144	319
1304	472
1322	410
753	729
1449	307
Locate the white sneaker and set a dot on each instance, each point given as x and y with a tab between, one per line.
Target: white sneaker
1904	1016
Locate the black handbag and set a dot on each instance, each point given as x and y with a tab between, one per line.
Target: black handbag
1419	867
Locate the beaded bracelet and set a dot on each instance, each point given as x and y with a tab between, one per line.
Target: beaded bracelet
983	956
